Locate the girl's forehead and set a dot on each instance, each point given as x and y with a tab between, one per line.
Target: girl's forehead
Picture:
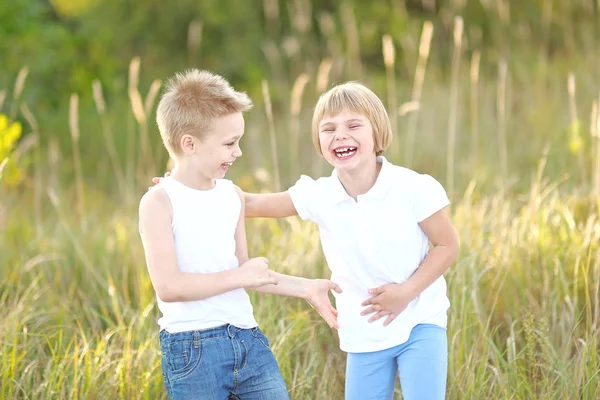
343	115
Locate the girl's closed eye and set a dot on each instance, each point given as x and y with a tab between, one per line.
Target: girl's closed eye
229	144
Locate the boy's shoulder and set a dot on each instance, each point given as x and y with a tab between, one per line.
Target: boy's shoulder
155	199
226	183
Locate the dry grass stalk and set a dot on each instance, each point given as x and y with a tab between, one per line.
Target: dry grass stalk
273	140
456	60
474	114
194	37
352	35
271	11
146	160
301	10
501	109
408	107
74	128
117	169
151	96
595	133
295	108
18	90
575	124
37	177
389	56
323	75
424	48
134	73
2	98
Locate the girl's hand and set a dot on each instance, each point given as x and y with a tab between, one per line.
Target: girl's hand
318	297
388	300
156	179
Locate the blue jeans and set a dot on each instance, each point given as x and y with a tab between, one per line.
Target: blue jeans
222	363
422	363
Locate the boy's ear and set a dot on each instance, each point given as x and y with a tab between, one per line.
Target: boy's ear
187	144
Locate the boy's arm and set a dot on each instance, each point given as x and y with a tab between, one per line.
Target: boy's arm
172	285
315	291
269	205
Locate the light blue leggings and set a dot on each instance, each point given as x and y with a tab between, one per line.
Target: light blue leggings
422	363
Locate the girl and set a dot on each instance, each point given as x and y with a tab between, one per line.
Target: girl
376	222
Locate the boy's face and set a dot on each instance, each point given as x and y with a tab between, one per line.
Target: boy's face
219	147
346	140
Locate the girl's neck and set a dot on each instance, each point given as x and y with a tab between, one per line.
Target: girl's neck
191	178
360	180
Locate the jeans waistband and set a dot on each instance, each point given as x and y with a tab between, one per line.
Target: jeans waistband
226	330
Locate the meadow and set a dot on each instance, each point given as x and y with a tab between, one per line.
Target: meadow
513	134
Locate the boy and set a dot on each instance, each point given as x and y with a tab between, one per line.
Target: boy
192	229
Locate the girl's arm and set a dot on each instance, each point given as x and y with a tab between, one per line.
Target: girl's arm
391	299
315	291
441	234
172	285
269	205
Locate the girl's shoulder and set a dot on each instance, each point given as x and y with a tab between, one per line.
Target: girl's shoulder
411	180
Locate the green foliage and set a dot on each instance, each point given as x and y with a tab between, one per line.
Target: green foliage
77	306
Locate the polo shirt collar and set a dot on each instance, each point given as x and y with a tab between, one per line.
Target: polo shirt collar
377	191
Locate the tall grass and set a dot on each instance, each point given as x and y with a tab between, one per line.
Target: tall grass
77	309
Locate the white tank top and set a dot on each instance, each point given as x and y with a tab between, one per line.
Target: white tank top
204	223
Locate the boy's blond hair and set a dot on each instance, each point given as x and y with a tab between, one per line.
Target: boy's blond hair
190	103
355	97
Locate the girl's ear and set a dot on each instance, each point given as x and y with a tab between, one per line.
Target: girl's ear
187	143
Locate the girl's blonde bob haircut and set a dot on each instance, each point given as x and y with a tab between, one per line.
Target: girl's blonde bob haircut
354	97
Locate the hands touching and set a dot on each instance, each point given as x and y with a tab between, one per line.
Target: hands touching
318	297
255	273
387	300
156	179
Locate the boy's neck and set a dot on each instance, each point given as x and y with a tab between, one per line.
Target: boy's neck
191	177
360	180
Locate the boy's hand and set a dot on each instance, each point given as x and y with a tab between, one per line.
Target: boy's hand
388	300
318	298
156	179
255	273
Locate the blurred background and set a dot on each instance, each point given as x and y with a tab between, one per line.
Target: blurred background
497	99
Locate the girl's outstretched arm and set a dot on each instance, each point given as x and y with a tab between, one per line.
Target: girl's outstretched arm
269	205
315	291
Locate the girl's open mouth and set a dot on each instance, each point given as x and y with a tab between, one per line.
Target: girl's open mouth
344	152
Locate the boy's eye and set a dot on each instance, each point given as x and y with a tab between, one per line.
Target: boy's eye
229	144
354	126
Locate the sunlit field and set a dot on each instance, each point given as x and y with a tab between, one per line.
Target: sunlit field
512	135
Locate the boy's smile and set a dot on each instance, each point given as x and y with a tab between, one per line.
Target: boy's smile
210	157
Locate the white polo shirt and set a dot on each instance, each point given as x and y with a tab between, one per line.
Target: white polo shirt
373	241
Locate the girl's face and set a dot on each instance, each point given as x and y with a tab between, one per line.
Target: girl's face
347	140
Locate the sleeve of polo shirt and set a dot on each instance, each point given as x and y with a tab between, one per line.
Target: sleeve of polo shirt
304	197
430	197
